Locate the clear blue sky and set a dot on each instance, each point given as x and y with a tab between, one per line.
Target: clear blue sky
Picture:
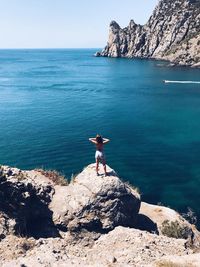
66	23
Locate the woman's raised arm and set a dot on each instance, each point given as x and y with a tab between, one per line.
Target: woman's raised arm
106	140
93	140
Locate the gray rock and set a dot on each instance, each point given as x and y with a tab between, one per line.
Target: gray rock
168	222
120	247
95	203
24	204
97	54
91	207
172	33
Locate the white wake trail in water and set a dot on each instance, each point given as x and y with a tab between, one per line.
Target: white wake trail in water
167	81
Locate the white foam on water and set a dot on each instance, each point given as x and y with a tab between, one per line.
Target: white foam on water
168	81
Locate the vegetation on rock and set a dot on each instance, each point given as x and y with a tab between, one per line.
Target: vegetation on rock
54	176
175	230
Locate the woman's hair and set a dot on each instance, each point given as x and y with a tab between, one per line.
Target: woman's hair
99	139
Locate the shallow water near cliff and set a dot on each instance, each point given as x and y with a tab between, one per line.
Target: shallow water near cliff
52	101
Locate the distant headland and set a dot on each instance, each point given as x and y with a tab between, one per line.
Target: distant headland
172	33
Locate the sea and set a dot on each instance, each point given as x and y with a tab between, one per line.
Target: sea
53	100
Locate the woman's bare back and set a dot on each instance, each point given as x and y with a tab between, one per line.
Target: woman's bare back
99	156
99	146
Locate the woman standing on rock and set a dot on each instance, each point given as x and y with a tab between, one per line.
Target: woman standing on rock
99	155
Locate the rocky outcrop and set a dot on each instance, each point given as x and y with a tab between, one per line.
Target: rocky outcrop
92	221
172	33
120	247
168	222
24	200
95	203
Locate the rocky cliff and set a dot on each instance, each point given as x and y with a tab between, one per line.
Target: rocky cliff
172	33
92	221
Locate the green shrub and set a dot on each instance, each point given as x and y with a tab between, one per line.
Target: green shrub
175	230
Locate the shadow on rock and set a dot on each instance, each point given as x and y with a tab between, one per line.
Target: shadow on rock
144	223
24	209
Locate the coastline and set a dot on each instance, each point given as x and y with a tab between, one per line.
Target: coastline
92	221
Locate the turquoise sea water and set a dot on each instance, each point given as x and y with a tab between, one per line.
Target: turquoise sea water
52	101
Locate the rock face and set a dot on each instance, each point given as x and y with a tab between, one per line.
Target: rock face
95	203
24	200
167	219
172	33
93	221
120	247
32	205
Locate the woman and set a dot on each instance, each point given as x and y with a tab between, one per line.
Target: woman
99	155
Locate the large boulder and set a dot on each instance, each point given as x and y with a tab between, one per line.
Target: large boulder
95	203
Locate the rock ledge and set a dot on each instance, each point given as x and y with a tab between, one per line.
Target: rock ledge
92	221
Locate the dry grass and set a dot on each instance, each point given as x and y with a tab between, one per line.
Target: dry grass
21	176
172	264
190	216
13	247
54	176
26	244
73	177
132	187
2	176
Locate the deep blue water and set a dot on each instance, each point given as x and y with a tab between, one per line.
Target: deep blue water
52	101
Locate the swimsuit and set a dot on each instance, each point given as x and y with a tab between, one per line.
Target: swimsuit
100	156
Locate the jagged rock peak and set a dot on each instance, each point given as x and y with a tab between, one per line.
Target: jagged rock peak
114	24
132	24
171	33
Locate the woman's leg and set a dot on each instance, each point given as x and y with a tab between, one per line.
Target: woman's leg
97	166
104	166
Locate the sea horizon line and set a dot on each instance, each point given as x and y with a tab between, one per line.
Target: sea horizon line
49	48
